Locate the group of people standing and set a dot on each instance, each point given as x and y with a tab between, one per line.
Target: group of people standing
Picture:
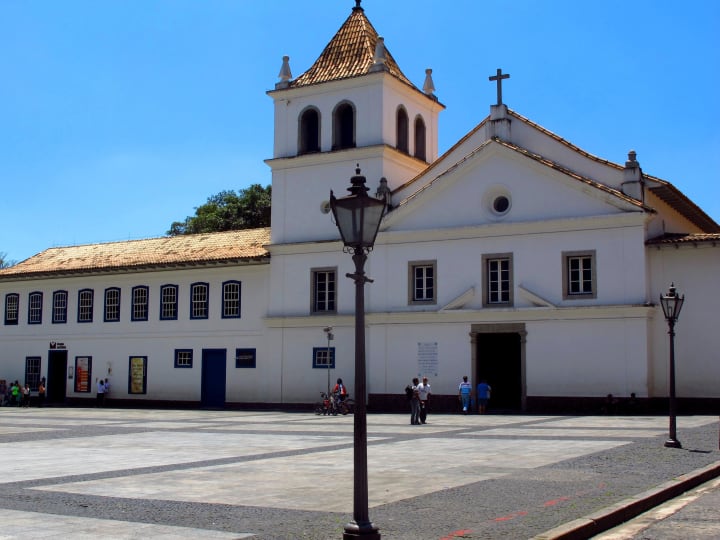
16	395
418	394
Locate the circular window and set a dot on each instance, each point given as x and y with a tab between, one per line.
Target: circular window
501	204
497	201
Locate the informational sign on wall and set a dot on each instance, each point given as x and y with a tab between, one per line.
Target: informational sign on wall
83	367
137	376
428	358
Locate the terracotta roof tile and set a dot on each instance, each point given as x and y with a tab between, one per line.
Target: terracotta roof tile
349	54
207	248
682	238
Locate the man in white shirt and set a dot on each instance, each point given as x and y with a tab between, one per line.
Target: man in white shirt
423	394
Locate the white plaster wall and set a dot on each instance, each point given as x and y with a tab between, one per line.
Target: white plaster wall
592	357
695	270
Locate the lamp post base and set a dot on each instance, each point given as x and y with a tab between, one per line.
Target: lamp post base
366	531
673	443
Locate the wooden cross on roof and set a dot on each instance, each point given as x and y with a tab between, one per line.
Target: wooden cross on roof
499	78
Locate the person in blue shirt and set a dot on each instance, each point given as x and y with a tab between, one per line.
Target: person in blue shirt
483	395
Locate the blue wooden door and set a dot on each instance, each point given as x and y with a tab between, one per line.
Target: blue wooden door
212	393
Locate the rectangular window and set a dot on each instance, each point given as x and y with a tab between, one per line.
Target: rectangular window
85	305
35	301
245	358
32	372
421	280
498	284
199	301
579	275
231	299
183	358
59	310
168	302
323	290
324	357
140	303
12	307
112	304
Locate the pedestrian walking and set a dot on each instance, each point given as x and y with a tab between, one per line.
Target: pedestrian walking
41	393
423	395
415	403
464	394
26	395
100	393
483	396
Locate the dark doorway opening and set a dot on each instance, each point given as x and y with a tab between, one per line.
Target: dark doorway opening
213	378
499	363
56	377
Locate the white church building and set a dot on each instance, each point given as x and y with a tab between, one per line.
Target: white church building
514	257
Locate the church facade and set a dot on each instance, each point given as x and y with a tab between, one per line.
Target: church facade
514	257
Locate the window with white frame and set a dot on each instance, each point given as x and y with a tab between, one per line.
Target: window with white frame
324	290
85	305
183	358
112	304
498	285
12	308
324	357
199	300
168	302
579	275
59	309
32	372
422	282
231	299
139	303
35	301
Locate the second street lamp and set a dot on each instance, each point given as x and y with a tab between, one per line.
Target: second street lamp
671	305
358	218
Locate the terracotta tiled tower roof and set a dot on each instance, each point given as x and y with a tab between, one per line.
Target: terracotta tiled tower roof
350	53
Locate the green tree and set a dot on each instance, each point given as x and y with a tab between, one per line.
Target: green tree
229	211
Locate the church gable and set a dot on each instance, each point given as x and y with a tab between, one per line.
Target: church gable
501	183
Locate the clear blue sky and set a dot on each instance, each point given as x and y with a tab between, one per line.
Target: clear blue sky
118	117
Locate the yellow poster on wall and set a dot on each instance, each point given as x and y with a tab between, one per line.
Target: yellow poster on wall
137	374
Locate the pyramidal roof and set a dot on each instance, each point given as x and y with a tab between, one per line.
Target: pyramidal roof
350	53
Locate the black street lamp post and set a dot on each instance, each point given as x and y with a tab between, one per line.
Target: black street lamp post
671	305
358	218
328	330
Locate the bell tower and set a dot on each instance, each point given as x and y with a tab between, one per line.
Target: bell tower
353	106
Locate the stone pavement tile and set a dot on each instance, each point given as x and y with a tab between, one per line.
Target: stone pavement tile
565	432
32	525
630	422
303	482
60	457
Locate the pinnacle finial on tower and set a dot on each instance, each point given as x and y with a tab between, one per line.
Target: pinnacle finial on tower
285	74
357	6
429	85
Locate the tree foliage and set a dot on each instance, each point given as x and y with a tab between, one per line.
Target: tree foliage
4	263
229	211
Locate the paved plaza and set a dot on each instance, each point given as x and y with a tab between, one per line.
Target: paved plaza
129	473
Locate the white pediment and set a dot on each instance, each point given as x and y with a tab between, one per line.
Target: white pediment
496	184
